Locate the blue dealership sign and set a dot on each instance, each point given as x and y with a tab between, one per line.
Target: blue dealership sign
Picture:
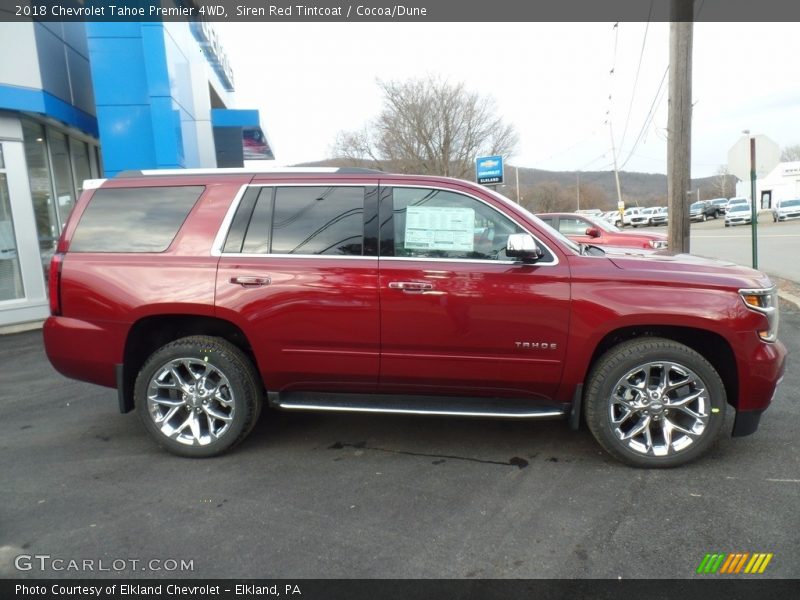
489	170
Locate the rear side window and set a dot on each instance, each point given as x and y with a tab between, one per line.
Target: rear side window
142	219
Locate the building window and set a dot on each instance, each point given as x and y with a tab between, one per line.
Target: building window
41	184
65	187
58	164
81	166
10	275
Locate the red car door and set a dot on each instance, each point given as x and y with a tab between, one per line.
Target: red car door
298	277
458	316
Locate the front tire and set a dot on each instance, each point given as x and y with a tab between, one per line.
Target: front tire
198	396
654	403
705	218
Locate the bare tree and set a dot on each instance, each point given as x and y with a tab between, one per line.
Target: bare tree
429	126
549	196
722	182
791	153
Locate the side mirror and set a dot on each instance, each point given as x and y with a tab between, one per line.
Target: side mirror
523	247
593	232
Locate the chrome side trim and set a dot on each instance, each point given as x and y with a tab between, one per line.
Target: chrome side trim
456	260
302	256
403	411
242	171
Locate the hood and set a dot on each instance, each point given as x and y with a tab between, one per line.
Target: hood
662	265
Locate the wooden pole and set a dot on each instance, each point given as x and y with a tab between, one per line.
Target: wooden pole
679	123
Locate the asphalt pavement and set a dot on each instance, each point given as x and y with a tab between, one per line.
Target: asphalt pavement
344	496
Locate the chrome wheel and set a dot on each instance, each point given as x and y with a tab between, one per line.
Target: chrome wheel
659	408
191	401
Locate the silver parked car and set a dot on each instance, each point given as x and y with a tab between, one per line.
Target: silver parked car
738	214
786	209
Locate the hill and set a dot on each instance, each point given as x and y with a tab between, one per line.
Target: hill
598	188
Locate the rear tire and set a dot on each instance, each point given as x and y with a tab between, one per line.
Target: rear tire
654	403
198	396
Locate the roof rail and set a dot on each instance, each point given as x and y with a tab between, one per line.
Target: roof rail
245	170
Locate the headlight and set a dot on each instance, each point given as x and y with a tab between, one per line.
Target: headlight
658	244
765	301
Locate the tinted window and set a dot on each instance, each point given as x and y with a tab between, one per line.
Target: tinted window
133	219
257	240
318	220
241	220
440	224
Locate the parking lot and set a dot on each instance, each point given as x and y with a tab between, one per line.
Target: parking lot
778	244
336	496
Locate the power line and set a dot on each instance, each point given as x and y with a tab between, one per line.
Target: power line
636	79
650	115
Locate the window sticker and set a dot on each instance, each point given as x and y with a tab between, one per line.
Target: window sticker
440	228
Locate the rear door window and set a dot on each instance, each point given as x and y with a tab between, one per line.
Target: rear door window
300	220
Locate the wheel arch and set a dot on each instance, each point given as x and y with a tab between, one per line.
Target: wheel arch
710	345
152	332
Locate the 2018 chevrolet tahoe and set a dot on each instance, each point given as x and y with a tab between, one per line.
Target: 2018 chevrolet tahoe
201	295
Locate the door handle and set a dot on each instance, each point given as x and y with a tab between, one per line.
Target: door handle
251	282
410	286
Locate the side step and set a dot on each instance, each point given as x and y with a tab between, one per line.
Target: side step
513	408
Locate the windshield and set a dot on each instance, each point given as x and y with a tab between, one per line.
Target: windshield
551	230
696	206
604	225
790	203
739	208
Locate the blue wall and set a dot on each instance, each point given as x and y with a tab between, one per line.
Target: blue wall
143	94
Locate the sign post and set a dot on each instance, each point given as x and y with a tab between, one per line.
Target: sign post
752	157
489	170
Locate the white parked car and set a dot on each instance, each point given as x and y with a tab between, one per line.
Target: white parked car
659	216
611	217
738	214
785	210
734	201
643	218
629	213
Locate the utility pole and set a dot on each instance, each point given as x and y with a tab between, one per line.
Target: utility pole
679	123
579	190
616	172
516	171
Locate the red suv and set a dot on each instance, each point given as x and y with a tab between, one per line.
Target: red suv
201	295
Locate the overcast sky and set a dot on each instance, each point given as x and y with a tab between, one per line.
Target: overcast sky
551	80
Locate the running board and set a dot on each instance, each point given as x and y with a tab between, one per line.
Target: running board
518	408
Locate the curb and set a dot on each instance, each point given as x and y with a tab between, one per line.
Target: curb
21	327
790	298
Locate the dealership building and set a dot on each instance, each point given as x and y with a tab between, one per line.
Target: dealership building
82	101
